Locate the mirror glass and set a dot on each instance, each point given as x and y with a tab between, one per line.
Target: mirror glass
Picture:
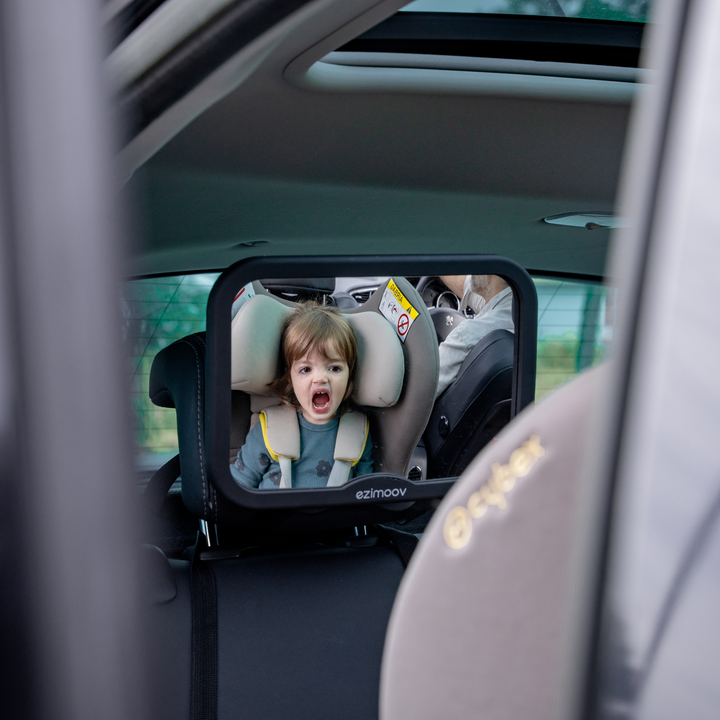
336	378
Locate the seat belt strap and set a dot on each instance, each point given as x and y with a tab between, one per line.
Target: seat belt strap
286	471
204	639
340	473
281	434
349	446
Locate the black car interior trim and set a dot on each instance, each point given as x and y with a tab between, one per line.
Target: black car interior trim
132	16
169	80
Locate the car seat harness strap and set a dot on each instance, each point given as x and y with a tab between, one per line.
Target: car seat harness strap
281	433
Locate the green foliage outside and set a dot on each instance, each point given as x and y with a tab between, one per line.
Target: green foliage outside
557	362
571	328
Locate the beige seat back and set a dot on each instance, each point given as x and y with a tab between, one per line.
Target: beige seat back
477	626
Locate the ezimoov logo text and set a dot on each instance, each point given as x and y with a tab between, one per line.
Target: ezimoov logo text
386	493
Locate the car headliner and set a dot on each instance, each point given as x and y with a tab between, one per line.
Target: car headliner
358	171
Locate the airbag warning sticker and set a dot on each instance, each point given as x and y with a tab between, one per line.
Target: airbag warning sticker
398	311
242	297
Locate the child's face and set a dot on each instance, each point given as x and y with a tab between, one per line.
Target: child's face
319	384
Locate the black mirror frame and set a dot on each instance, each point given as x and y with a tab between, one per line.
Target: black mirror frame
368	489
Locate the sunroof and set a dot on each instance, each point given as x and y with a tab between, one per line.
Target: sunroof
598	33
618	10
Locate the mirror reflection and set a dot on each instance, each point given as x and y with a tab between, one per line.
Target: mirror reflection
334	378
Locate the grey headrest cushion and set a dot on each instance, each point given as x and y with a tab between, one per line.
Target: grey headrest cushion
256	332
479	619
381	365
255	354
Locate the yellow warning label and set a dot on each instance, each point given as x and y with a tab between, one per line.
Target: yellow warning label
406	306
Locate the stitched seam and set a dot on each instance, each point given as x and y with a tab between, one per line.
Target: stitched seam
200	449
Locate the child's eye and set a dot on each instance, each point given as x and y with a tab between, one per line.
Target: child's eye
335	368
304	369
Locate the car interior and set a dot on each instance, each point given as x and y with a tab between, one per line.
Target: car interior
358	155
355	146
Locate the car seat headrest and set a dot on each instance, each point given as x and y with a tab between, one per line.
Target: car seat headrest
478	624
256	352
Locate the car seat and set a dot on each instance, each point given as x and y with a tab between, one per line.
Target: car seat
397	403
284	620
474	408
478	625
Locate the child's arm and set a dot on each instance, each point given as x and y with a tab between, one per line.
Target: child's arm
365	464
252	459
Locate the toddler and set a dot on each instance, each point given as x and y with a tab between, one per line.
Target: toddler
319	354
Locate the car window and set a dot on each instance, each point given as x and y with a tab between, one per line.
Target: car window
158	311
574	328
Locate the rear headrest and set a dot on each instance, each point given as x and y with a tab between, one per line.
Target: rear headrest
479	621
256	334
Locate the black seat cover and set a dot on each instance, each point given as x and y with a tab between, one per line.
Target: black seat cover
474	408
177	380
300	624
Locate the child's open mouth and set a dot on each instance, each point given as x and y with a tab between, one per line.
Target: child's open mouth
321	401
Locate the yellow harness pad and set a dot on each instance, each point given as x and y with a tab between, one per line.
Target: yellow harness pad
281	434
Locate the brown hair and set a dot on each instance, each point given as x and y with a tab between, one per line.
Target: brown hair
320	328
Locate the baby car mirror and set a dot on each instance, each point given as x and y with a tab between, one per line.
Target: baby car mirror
321	382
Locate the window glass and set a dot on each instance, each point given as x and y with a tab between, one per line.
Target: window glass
623	10
574	329
157	312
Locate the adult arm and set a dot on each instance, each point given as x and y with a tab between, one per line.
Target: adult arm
453	351
456	283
